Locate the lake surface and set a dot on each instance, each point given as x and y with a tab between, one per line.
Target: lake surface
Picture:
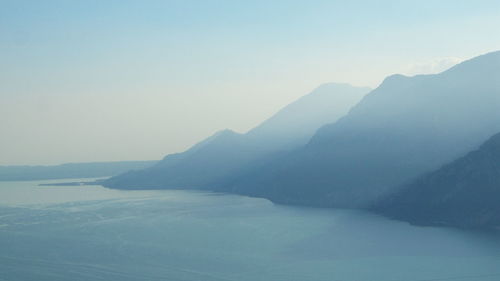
93	233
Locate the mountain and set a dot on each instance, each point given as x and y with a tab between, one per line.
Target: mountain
220	159
404	128
294	125
70	170
463	193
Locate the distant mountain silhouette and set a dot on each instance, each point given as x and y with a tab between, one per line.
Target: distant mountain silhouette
464	193
222	158
373	156
402	129
71	170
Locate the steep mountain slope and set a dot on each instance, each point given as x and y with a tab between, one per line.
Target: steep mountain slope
294	125
405	127
464	193
221	158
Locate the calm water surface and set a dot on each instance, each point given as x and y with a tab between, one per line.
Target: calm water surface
93	233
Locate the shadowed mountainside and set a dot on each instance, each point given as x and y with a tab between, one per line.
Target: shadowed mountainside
402	129
463	193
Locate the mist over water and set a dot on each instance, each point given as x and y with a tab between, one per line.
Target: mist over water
93	233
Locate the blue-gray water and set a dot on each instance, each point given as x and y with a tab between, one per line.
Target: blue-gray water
93	233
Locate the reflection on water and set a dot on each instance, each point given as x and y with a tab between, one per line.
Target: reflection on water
93	233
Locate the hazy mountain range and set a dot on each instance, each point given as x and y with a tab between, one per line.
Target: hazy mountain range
70	170
405	128
226	155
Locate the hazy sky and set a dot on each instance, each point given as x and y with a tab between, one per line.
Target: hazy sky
129	80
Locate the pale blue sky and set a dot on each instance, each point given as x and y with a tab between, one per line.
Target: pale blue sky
124	80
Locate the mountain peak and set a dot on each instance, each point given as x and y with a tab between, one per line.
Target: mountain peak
395	77
225	132
300	119
395	80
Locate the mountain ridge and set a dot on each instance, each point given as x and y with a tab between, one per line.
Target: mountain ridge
217	160
405	127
